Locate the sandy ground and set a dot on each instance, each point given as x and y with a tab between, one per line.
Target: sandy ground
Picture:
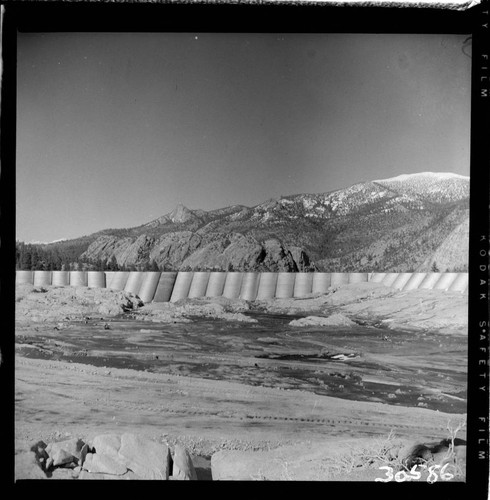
57	398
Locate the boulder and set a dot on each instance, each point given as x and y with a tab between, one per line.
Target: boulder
104	464
107	444
39	450
72	446
460	456
27	466
111	453
183	468
63	452
441	453
414	453
61	457
146	458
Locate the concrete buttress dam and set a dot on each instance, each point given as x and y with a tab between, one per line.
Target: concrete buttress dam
157	286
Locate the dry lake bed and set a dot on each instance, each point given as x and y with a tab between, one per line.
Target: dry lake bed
322	379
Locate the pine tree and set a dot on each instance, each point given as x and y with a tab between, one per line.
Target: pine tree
17	256
36	262
113	265
25	260
153	266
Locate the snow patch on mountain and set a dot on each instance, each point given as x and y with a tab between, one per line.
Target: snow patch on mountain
418	175
33	242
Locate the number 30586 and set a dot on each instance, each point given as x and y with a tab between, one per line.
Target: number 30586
414	474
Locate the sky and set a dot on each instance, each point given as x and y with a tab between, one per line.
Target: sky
116	129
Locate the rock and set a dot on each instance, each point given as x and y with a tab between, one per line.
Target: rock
336	319
441	454
413	454
278	257
63	452
107	444
460	456
104	464
27	467
61	457
300	258
146	458
39	450
83	454
183	468
62	473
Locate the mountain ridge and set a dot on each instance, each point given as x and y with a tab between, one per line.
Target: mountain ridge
405	223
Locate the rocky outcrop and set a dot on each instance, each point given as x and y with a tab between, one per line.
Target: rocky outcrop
187	250
226	252
236	252
171	249
277	257
127	250
300	258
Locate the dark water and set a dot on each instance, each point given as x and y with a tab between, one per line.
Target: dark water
359	362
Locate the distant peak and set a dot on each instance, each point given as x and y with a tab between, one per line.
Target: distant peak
180	208
433	175
181	214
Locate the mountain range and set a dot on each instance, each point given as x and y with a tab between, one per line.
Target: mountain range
416	222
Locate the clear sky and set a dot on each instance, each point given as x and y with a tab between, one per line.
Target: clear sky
115	129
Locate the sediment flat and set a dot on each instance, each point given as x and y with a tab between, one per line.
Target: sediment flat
68	394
